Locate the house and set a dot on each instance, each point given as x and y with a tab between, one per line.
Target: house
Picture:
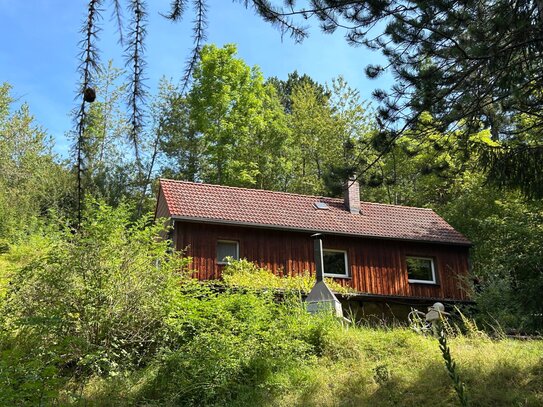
386	253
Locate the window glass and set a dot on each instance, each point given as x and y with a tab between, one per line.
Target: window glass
335	262
421	269
226	248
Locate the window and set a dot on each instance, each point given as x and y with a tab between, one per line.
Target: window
335	263
321	205
227	248
421	270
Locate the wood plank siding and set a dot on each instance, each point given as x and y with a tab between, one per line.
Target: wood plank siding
375	266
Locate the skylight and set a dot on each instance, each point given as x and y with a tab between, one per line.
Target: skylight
321	205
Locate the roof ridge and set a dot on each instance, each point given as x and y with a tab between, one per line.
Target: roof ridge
397	206
246	189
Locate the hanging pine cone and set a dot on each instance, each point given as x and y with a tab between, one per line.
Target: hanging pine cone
89	95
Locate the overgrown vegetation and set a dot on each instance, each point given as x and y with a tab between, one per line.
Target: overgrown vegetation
96	309
108	315
245	274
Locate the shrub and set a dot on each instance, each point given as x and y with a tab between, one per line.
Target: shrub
94	301
231	345
243	273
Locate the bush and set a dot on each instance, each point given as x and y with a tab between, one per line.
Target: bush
110	299
243	273
231	345
27	377
94	301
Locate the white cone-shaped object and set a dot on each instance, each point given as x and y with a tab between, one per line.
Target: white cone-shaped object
322	299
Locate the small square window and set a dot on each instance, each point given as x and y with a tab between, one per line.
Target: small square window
227	248
421	270
335	263
321	205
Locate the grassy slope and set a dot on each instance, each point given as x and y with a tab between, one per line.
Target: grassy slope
362	367
398	367
375	367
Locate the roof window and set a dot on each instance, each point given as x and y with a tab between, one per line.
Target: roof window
321	205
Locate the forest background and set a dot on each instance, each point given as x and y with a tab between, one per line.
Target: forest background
74	233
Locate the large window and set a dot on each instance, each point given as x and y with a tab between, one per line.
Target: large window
421	270
335	263
227	248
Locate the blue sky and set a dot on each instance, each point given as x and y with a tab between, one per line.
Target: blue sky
39	48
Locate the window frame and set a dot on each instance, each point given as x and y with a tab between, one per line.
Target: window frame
432	265
220	262
346	262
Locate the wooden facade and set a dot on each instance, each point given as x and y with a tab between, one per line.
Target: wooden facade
375	266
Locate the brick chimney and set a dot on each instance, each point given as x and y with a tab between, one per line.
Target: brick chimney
351	195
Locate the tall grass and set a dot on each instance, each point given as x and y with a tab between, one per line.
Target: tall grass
344	366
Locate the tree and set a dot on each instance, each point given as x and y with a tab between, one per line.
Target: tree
32	181
328	129
294	79
107	171
181	144
230	128
507	258
225	100
474	64
232	123
312	127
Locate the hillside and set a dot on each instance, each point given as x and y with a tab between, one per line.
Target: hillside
354	367
118	335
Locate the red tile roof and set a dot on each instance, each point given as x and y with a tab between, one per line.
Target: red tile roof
281	210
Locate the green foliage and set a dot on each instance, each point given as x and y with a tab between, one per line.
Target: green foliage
433	48
230	346
230	128
92	301
507	260
452	369
31	180
243	273
353	366
27	378
181	144
239	117
109	173
103	316
233	128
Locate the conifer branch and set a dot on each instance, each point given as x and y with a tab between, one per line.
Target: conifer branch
199	37
87	69
177	9
118	16
134	60
516	166
279	18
